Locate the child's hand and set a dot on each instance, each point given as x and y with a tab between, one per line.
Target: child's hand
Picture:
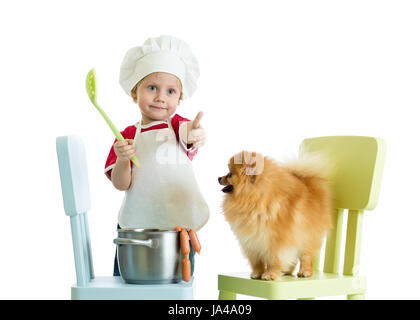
196	133
124	149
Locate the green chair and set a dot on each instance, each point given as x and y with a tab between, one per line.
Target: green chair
359	163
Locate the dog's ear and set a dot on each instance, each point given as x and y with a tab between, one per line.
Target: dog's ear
250	163
254	163
253	178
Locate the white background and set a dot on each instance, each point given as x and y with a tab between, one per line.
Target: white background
272	74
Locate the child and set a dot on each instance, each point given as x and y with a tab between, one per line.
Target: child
162	193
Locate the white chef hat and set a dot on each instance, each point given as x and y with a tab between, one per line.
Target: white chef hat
161	54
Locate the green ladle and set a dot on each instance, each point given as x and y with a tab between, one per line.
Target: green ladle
91	91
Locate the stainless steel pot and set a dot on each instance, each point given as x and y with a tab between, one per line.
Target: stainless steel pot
149	256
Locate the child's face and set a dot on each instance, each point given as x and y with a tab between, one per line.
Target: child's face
158	96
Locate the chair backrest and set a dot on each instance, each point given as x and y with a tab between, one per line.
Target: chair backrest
76	197
358	164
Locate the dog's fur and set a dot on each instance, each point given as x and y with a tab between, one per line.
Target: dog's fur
279	213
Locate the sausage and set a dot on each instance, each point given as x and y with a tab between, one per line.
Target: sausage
185	249
177	228
194	241
185	242
186	269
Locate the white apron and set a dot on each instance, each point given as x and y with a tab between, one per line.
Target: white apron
163	192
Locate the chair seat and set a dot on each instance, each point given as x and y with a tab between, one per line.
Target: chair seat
114	288
291	287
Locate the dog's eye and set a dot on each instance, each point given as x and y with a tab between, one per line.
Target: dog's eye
229	175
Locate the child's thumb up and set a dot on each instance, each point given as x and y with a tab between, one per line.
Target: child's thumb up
196	122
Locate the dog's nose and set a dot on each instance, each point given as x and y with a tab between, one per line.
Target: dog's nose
220	179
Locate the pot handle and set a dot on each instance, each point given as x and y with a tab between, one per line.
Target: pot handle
151	243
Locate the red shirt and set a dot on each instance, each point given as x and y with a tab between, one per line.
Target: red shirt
130	132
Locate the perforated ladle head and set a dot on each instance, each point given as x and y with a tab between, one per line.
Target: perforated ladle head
91	85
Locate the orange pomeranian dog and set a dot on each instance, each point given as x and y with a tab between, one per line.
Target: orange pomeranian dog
279	213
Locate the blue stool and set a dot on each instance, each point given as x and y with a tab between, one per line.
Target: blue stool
76	196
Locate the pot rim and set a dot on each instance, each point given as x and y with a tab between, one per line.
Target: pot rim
139	230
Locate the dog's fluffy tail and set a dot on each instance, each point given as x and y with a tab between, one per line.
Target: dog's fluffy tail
311	165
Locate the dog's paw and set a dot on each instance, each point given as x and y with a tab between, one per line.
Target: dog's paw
255	275
304	274
270	275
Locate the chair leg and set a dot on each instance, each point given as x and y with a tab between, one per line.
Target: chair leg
356	297
227	295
